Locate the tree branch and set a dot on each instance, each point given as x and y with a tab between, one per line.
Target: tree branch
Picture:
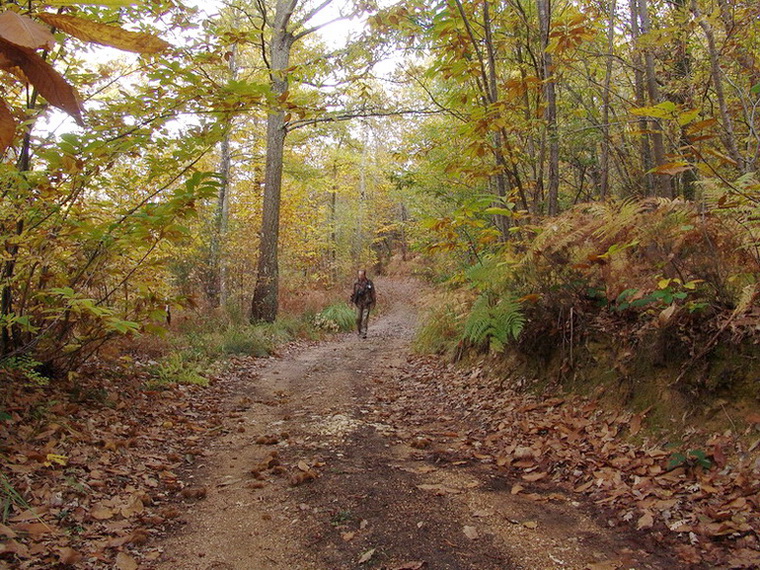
294	125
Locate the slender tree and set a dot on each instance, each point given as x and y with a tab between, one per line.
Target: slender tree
662	181
217	289
728	136
550	109
604	161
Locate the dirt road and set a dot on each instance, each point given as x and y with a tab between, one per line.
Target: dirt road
325	471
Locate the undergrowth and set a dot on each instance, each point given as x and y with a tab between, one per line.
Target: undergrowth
199	349
339	317
660	279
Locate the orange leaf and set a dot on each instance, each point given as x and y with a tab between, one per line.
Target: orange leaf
646	521
103	34
635	425
671	168
125	562
23	31
7	127
101	513
67	555
534	476
50	84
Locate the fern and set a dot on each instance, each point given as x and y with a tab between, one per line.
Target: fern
494	324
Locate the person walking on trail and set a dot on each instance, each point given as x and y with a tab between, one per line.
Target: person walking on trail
364	298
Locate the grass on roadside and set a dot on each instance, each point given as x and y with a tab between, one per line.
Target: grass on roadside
199	349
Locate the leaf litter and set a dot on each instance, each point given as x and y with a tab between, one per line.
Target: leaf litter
704	503
92	471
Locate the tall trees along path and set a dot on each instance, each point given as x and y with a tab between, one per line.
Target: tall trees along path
321	471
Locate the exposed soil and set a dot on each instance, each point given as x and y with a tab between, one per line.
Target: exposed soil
321	469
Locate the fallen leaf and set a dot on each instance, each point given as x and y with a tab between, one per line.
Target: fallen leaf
635	425
67	555
134	507
471	532
101	513
194	493
645	521
606	565
7	531
532	477
366	556
13	547
347	536
530	524
665	315
34	529
303	466
516	488
125	562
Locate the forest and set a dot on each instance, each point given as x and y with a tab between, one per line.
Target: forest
571	186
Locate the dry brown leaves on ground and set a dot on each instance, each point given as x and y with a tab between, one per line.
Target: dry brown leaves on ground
702	497
91	472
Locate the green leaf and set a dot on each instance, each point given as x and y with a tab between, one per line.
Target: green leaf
122	326
755	89
663	110
494	211
67	292
687	117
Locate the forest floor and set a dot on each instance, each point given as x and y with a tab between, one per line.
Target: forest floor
348	454
357	453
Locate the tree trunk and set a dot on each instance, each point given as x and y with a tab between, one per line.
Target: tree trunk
550	111
662	182
682	91
9	340
645	151
728	135
604	165
265	300
333	254
218	290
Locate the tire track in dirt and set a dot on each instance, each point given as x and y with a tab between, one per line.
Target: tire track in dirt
378	501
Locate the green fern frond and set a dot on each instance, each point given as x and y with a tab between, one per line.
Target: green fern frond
494	324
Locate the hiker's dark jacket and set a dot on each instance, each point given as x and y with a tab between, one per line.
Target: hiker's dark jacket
364	292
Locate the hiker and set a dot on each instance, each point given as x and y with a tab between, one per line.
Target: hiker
364	298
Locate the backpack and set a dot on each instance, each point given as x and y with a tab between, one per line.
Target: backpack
362	293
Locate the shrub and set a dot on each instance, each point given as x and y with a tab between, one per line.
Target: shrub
339	317
493	324
250	341
442	327
176	368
